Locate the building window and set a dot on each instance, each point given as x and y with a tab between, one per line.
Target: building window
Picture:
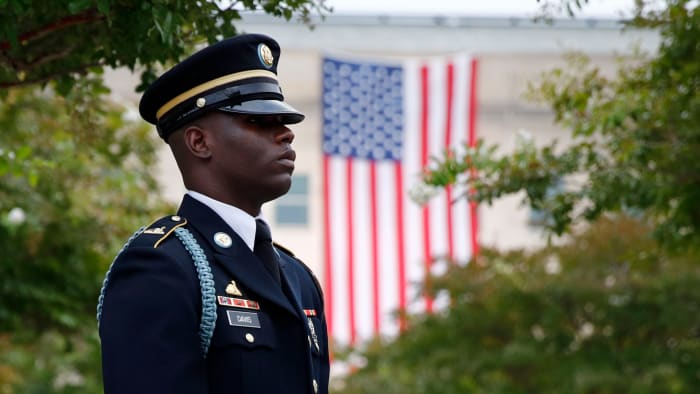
293	208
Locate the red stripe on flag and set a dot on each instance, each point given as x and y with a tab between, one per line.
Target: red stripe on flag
424	123
473	110
327	244
448	141
375	245
351	254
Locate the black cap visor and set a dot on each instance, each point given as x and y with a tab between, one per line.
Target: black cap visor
287	113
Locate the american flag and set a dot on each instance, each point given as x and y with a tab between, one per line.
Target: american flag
383	121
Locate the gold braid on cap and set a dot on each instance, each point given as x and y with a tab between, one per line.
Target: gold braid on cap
226	79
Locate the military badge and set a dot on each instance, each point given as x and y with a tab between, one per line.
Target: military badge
233	289
310	312
238	302
155	230
223	240
312	331
265	55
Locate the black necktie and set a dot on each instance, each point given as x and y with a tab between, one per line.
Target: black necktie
264	250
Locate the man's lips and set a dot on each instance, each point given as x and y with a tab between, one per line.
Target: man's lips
287	158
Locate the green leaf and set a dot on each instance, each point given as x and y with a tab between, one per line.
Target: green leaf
103	7
23	152
75	6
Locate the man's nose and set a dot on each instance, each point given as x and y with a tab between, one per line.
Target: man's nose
284	135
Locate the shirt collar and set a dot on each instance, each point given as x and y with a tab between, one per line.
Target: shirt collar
240	222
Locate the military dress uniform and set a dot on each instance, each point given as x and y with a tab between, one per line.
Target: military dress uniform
152	310
187	307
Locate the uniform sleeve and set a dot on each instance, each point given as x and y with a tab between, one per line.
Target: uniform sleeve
149	326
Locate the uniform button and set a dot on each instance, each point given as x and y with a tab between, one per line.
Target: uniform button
175	218
249	337
315	386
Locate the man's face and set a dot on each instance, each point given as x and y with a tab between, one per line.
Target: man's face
252	157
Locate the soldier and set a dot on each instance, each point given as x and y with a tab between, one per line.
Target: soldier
201	301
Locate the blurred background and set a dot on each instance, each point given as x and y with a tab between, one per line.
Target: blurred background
532	227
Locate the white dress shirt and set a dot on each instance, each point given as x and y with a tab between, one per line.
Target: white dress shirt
240	222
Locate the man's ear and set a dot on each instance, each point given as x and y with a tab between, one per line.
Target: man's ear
197	141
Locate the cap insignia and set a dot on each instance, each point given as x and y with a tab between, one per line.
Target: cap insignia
265	55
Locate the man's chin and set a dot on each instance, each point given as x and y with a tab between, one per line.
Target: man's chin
280	189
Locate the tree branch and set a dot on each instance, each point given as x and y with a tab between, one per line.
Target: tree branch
27	66
90	15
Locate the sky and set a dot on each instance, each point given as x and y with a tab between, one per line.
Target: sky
503	8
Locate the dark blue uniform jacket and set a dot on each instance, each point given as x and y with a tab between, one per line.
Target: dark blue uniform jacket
152	310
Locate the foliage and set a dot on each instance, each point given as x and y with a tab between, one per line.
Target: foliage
91	177
615	308
59	41
77	180
76	172
50	361
609	312
550	8
635	138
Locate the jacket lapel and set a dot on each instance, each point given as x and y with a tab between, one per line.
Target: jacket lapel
238	260
290	283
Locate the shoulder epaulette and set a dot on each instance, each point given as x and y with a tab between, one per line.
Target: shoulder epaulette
162	228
